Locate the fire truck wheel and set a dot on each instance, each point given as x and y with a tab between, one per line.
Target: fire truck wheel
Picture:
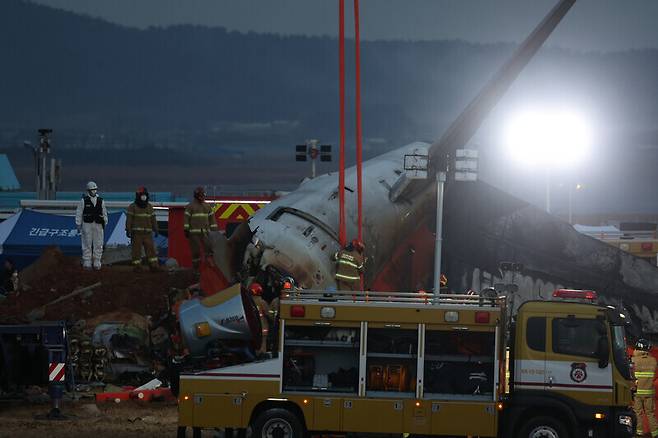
277	423
543	427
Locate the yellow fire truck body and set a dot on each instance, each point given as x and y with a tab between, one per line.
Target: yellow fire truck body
421	364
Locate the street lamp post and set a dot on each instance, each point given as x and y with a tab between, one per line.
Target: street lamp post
548	189
440	183
571	188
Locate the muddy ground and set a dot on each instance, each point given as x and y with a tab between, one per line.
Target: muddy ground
87	419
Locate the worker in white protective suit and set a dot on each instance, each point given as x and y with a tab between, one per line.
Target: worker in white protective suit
90	219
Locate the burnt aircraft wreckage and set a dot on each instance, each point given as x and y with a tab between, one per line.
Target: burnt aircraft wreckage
296	236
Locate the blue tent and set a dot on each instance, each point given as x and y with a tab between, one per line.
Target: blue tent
8	179
26	234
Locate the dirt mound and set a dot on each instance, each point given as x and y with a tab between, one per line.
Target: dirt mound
50	258
54	275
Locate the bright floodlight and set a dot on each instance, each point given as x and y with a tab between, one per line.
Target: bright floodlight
548	137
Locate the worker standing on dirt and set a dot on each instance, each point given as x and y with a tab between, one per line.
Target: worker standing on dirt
90	219
349	265
140	227
645	372
199	221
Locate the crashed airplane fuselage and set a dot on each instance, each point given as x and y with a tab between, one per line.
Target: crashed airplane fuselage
297	235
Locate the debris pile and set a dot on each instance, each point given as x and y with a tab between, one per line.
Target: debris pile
115	316
59	289
115	347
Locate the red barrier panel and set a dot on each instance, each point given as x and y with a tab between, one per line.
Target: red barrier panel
228	213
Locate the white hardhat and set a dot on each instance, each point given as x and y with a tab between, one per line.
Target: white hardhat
92	186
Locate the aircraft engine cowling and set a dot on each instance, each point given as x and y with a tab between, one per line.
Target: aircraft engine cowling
227	316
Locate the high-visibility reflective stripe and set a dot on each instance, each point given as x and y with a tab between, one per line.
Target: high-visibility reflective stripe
153	259
201	214
198	230
137	261
141	229
645	392
345	262
187	213
56	372
347	277
644	373
186	226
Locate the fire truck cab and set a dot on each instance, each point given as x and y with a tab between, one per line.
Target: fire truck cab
423	364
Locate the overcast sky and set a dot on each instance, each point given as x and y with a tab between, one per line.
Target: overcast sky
591	25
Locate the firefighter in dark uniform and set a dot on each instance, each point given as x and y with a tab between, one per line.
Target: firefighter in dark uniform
349	266
645	397
199	221
140	226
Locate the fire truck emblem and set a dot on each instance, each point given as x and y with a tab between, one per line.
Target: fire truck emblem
578	372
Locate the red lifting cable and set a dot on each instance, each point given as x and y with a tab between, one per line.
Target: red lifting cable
341	165
359	134
359	147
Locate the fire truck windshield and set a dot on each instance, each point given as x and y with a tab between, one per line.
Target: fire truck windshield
619	351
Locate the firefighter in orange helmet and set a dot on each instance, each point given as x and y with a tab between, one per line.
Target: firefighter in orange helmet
349	266
199	222
140	227
645	397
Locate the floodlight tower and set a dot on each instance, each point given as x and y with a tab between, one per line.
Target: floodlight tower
46	173
310	149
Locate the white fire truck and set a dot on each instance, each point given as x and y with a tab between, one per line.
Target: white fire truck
415	363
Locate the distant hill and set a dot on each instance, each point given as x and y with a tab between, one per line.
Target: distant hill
102	86
77	72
